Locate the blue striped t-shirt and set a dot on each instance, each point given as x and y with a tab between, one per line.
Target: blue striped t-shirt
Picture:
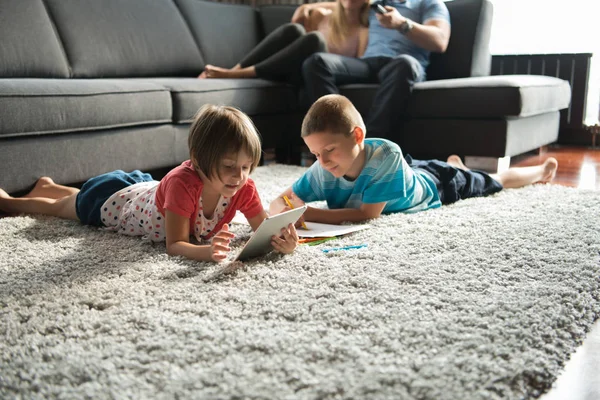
386	177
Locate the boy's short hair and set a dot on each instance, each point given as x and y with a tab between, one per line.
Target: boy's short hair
332	113
218	131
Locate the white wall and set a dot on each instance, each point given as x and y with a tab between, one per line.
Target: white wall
551	26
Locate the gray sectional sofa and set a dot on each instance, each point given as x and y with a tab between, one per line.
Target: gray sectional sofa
88	86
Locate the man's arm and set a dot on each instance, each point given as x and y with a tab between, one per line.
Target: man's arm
336	217
432	35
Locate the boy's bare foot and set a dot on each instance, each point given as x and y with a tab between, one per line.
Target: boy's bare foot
550	167
40	186
202	75
456	162
218	72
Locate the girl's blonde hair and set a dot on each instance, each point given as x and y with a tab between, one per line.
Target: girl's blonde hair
338	23
218	131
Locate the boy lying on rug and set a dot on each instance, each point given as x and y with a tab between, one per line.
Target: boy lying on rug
199	197
362	178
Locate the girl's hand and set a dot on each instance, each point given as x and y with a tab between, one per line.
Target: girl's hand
219	246
288	241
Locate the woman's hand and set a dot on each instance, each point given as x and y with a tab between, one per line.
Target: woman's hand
287	242
219	246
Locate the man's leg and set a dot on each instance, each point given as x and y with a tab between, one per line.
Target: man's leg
323	72
397	79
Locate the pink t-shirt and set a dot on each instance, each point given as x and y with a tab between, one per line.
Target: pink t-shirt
139	210
348	48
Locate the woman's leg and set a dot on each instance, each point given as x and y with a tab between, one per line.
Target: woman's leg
63	207
277	40
521	176
45	187
287	63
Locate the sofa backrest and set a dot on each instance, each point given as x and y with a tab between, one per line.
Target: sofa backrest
29	46
225	33
125	38
468	51
272	16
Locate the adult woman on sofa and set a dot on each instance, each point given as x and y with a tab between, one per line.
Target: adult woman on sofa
342	30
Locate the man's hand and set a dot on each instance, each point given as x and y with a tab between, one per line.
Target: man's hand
287	242
219	246
392	19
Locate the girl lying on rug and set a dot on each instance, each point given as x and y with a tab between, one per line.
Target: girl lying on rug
199	197
362	178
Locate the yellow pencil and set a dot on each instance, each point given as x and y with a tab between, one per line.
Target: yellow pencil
290	205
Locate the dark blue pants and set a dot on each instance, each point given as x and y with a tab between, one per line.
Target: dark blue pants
453	183
324	72
98	189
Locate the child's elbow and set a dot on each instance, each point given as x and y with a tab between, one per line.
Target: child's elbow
172	249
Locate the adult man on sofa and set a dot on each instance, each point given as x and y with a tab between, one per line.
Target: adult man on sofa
397	55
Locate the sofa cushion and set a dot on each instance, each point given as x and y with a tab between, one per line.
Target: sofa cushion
117	38
43	106
29	47
489	97
468	52
253	96
478	97
225	33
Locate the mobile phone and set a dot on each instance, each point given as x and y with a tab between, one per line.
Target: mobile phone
376	5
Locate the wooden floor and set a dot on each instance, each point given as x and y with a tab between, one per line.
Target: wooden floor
577	166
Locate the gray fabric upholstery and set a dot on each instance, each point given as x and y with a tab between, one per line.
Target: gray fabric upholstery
233	30
28	44
72	129
118	38
478	97
496	137
254	96
468	51
44	106
489	97
73	158
273	16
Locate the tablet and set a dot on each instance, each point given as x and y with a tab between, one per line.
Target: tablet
260	242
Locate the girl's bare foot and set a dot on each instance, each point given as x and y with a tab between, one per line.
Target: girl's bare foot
550	167
218	72
456	162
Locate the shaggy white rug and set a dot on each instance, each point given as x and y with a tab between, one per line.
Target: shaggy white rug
483	299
